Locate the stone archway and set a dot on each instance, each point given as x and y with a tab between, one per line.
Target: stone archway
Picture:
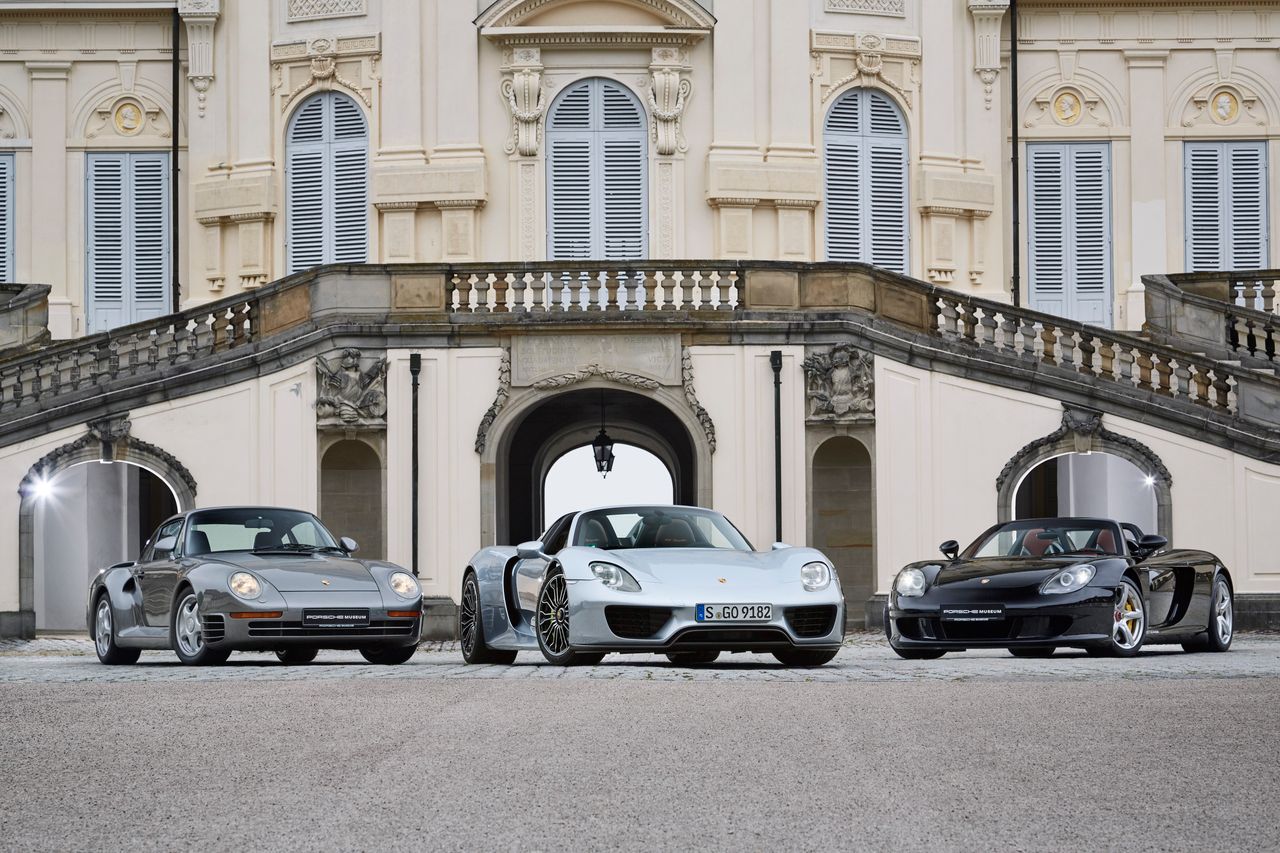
106	440
1082	432
842	517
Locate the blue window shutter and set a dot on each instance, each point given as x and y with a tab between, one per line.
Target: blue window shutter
1226	205
8	271
865	181
597	155
327	183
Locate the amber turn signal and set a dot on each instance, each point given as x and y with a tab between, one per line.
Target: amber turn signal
402	614
259	614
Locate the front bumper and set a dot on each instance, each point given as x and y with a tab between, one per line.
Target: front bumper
286	630
603	620
1077	618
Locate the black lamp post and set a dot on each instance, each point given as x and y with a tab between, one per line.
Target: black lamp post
602	447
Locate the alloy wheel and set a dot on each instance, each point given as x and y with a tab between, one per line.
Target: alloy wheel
553	615
1223	616
1129	619
187	627
468	616
102	630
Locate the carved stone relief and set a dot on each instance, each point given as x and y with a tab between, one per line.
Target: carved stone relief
200	17
1224	105
840	384
499	401
351	395
522	92
668	92
894	8
325	63
1068	106
865	58
691	397
128	116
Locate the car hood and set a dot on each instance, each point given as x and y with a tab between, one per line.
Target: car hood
1004	572
710	570
305	572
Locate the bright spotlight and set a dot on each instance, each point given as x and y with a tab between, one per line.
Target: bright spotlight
42	489
1149	481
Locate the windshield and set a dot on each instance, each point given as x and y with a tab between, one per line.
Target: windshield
256	529
657	527
1047	537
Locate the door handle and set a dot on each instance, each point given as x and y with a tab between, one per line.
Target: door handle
138	573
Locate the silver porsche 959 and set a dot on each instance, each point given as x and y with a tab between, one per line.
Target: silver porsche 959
670	579
214	581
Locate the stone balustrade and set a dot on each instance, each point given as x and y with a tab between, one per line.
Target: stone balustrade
1229	315
24	317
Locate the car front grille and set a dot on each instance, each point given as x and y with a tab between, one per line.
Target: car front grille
731	639
375	628
1015	628
813	621
636	623
213	628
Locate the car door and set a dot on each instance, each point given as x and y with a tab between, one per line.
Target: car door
529	572
156	573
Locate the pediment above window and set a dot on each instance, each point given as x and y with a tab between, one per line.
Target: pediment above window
591	23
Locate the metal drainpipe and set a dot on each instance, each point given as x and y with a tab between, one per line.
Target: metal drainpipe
1017	196
415	367
174	222
775	361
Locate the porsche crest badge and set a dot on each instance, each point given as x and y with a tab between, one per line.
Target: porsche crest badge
723	580
325	581
985	580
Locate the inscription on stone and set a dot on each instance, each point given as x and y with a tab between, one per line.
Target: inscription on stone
536	359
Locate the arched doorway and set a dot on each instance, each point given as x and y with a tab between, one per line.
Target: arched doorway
572	481
351	495
547	430
843	521
1089	484
86	517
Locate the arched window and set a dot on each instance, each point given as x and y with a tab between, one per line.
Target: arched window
865	155
597	151
327	183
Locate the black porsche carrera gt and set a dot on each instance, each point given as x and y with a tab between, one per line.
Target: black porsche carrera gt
1035	584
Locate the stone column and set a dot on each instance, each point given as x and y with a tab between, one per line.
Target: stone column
457	83
402	76
1148	191
790	125
254	151
526	101
49	225
733	106
206	120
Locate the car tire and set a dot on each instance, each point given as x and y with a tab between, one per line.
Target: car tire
104	635
186	634
1129	633
471	628
388	655
919	654
1033	652
294	656
805	657
693	658
1221	628
551	624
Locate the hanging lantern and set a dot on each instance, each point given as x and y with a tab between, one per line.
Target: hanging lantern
603	449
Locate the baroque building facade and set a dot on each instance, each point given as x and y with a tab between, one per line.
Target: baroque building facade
417	249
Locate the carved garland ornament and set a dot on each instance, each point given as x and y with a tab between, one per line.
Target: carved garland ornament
841	384
523	94
668	92
1085	427
499	401
691	397
582	374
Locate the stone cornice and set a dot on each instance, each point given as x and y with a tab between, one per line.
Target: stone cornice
593	37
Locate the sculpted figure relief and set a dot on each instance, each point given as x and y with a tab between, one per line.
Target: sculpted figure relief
840	384
348	394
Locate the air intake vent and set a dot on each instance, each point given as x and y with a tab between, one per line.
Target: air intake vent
815	621
213	628
636	623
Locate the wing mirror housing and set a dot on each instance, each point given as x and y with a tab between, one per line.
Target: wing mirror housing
349	545
950	549
165	545
530	550
1151	543
780	546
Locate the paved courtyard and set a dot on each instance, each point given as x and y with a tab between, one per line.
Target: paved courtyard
976	751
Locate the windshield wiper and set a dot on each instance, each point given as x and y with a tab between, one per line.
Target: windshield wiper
286	548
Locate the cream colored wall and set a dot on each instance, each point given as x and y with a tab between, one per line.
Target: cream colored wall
254	442
941	440
735	386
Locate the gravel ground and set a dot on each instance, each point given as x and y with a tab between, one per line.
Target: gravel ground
975	752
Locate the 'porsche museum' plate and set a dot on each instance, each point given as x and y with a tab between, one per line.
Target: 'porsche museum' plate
974	613
734	612
335	618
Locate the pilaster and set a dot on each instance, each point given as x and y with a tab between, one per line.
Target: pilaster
49	213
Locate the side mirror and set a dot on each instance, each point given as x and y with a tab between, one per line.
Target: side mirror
349	545
780	546
164	546
1151	543
950	549
530	550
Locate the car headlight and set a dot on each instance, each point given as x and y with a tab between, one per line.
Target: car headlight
403	585
910	583
614	577
1068	580
815	576
244	585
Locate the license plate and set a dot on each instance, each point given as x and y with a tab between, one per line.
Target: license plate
734	612
986	613
335	618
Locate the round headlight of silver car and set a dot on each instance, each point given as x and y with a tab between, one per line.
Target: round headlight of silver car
815	576
403	585
244	585
910	583
614	577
